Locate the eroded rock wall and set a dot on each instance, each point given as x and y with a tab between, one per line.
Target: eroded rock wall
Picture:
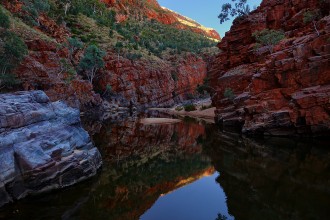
149	83
42	146
286	92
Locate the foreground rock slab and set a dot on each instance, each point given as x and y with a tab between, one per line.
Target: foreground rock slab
42	146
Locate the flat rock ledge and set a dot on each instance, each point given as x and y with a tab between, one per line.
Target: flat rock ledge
42	146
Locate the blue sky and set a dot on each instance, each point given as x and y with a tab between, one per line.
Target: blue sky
204	12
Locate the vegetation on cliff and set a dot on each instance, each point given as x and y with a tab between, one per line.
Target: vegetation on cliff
65	31
274	65
12	52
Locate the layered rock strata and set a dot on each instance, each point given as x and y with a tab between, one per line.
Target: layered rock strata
285	92
42	146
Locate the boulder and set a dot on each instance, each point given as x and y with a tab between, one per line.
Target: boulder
42	146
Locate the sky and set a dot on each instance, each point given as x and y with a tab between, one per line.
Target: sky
204	12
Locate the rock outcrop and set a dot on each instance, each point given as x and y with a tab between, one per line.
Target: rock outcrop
286	92
43	69
42	146
150	84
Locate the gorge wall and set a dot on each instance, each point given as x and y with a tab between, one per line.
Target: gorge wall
286	92
149	81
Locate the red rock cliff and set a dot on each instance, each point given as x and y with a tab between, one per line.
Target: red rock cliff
146	83
152	10
283	93
151	84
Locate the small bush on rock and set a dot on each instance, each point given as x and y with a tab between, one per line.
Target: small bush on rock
269	38
190	107
229	94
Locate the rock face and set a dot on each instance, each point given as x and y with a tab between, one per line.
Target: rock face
283	93
42	146
42	69
150	84
143	82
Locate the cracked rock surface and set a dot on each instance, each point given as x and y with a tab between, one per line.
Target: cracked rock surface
42	146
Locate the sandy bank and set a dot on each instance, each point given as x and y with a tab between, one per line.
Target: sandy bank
206	114
149	121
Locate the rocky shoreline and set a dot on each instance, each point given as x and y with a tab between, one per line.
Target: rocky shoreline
42	146
204	110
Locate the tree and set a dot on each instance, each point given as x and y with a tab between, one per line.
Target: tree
13	51
237	8
4	20
66	6
312	16
74	44
92	62
269	38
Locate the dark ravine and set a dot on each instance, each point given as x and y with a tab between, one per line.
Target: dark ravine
42	146
280	94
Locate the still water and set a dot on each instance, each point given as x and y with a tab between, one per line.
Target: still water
191	170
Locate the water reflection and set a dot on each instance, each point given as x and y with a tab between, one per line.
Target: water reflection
141	163
272	178
190	171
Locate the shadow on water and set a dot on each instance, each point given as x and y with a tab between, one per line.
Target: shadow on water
262	179
272	178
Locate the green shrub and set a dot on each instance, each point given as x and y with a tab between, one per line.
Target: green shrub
312	16
68	69
92	62
190	96
4	20
133	56
190	107
174	76
204	87
31	10
204	107
179	108
13	51
269	38
8	80
74	44
229	94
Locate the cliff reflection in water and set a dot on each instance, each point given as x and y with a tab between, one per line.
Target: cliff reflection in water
141	163
147	161
262	179
272	178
